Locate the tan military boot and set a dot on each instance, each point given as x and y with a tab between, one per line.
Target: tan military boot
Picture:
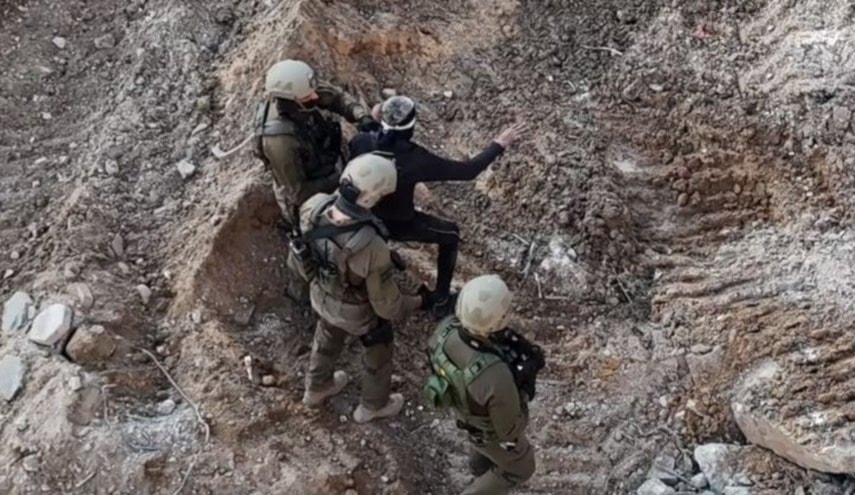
363	415
316	398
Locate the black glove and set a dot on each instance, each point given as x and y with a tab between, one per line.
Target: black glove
398	260
428	297
367	124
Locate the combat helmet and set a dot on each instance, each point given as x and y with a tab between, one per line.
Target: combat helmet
483	305
290	80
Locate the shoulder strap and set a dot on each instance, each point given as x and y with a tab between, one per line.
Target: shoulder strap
329	231
279	128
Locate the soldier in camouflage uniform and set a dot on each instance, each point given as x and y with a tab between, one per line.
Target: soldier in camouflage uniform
299	137
352	290
470	377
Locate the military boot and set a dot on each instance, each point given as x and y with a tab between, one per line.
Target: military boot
316	398
443	306
363	415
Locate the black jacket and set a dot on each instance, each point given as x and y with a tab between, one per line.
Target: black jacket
416	164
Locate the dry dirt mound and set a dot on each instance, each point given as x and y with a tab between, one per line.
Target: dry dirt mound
678	221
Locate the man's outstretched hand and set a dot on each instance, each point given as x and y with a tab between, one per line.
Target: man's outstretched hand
511	135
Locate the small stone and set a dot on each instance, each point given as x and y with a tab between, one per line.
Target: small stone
388	92
117	245
840	118
12	370
448	94
186	169
75	383
47	116
51	325
31	463
15	255
199	128
8	273
104	42
83	294
16	312
655	487
701	348
683	199
145	293
268	380
385	479
166	407
699	481
60	42
111	167
663	467
657	88
90	345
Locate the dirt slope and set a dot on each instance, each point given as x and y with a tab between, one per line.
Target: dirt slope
679	216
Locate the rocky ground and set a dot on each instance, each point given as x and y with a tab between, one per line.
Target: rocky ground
677	227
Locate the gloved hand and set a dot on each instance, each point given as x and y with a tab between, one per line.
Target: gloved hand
398	260
428	297
367	124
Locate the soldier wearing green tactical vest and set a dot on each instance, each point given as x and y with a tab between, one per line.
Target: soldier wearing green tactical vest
344	255
485	373
298	137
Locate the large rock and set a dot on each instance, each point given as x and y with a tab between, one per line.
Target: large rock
727	468
16	312
12	371
820	436
655	487
802	450
90	345
51	325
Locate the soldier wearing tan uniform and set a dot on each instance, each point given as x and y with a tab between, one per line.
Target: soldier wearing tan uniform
485	374
352	290
299	137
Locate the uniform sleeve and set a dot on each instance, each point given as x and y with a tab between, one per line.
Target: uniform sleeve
498	392
283	155
326	185
383	293
433	168
334	99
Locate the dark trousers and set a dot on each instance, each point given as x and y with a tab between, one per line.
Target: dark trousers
429	229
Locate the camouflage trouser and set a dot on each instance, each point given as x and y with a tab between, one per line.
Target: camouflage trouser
499	469
376	365
298	289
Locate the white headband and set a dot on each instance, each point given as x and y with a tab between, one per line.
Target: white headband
409	125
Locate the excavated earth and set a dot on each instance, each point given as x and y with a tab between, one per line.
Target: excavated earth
677	227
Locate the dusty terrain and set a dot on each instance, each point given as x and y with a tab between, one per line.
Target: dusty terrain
677	227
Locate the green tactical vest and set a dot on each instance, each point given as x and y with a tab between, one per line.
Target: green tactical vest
448	385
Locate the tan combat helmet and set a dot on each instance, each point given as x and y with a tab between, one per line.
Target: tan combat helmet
291	80
398	113
483	305
374	177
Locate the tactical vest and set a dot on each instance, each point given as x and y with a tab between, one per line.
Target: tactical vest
320	140
323	257
449	384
